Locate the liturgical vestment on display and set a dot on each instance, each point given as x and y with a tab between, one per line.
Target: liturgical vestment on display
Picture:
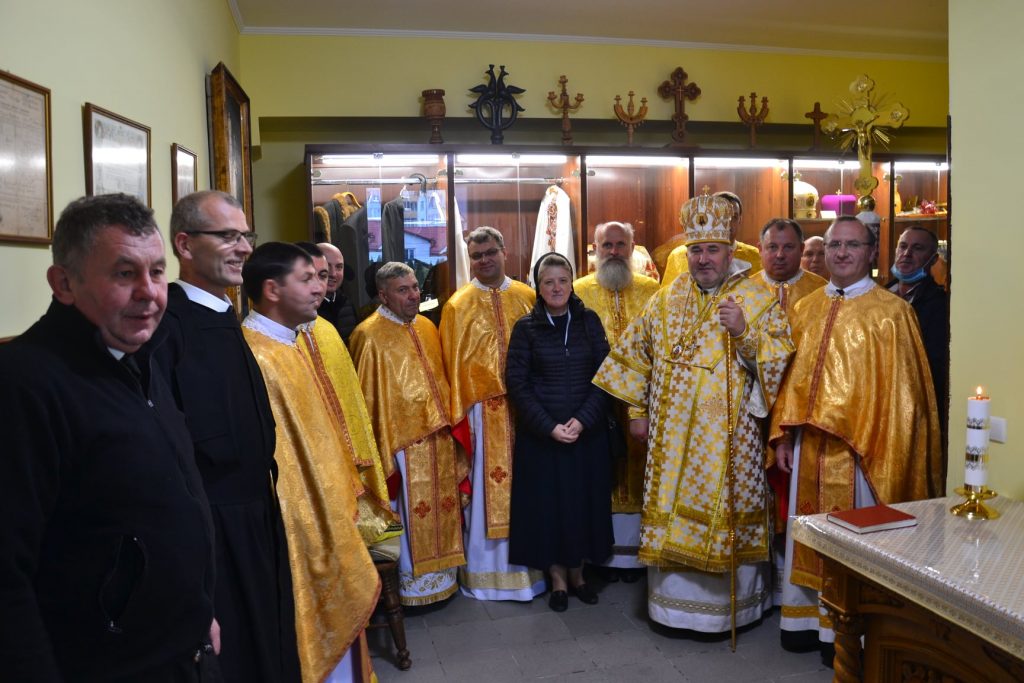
335	583
617	310
672	362
407	396
332	365
475	327
859	400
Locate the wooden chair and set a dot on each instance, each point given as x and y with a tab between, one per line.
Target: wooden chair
385	559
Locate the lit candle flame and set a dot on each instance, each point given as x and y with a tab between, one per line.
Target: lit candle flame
980	392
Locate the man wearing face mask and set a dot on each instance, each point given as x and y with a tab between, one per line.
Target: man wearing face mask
916	252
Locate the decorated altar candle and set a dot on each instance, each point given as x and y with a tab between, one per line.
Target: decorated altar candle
975	462
977	410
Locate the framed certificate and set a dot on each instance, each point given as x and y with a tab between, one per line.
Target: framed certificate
26	171
183	172
117	154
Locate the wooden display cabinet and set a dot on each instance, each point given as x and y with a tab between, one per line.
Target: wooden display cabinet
503	187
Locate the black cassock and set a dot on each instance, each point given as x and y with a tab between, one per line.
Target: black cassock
219	387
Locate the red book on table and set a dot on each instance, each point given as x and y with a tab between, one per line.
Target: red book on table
874	518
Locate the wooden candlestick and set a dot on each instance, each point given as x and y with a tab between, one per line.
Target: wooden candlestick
562	103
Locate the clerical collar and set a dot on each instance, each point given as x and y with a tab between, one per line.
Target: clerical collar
270	328
388	314
204	298
506	283
862	286
791	281
118	354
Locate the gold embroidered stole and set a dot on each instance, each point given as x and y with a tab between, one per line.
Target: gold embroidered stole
475	328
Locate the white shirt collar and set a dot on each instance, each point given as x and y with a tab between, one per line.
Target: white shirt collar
791	281
270	328
388	314
862	286
204	298
118	354
506	283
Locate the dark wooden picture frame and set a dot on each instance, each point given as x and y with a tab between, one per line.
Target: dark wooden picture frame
184	172
115	148
230	138
26	183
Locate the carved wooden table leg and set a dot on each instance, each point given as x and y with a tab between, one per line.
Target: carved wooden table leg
840	596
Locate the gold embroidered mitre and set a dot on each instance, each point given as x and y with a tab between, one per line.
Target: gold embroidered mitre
706	218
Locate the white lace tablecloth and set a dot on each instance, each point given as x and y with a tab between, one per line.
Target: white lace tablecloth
970	572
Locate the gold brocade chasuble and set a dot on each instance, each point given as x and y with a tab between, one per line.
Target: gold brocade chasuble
332	365
671	360
476	325
617	310
791	291
861	389
407	398
334	581
677	263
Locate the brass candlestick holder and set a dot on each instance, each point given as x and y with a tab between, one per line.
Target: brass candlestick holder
974	507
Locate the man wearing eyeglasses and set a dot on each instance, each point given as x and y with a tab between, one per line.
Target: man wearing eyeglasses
855	422
218	385
475	327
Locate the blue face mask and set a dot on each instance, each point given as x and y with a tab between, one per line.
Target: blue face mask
910	278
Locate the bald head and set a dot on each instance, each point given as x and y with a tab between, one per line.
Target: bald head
335	266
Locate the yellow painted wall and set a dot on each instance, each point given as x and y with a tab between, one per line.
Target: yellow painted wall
332	76
144	60
988	285
350	76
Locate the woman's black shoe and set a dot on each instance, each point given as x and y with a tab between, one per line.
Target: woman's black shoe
559	601
586	594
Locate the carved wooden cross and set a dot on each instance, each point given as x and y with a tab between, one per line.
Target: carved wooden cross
678	89
563	104
816	115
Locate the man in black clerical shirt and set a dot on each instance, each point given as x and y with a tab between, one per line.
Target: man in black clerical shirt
106	546
219	387
336	307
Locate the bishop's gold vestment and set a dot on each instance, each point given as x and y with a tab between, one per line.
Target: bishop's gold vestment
677	264
476	325
860	389
407	398
672	361
332	366
334	581
617	310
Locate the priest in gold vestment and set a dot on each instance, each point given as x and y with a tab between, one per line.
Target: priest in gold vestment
475	327
674	251
781	248
618	295
856	420
335	583
672	361
397	354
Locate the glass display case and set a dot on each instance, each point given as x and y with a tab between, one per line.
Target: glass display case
534	195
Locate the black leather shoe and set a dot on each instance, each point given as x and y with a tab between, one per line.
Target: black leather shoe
586	594
559	601
631	575
800	641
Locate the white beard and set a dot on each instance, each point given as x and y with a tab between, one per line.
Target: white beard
614	274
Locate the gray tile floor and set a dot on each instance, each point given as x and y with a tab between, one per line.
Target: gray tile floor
464	640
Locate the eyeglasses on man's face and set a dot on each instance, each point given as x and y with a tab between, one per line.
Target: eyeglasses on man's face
851	245
490	253
228	237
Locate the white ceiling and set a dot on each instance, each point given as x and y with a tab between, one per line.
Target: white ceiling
912	28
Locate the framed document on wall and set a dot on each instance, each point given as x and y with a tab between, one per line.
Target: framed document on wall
183	172
230	161
117	157
26	174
